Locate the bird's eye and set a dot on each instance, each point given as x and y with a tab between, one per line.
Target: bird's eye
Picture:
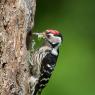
48	36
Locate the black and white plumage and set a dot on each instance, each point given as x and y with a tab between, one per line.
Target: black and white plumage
44	60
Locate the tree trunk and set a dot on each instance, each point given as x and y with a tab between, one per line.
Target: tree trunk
16	20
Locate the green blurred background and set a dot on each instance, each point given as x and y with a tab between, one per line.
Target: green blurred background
75	70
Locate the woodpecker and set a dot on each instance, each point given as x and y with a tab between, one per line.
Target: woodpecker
44	59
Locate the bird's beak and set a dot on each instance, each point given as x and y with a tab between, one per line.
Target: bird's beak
40	35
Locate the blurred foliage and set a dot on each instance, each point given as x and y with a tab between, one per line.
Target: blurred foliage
75	70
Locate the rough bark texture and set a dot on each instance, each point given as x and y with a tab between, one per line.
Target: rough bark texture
16	19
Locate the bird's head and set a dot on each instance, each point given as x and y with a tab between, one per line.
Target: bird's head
54	37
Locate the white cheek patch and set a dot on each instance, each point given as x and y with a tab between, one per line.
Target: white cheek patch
56	40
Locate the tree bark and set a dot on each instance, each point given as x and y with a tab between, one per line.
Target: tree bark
16	20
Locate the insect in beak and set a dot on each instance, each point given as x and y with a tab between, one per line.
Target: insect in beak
40	35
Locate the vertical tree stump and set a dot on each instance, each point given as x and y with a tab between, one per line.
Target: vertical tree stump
16	18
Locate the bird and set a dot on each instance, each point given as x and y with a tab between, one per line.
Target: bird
44	59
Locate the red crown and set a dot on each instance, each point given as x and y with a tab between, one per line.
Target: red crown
55	32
